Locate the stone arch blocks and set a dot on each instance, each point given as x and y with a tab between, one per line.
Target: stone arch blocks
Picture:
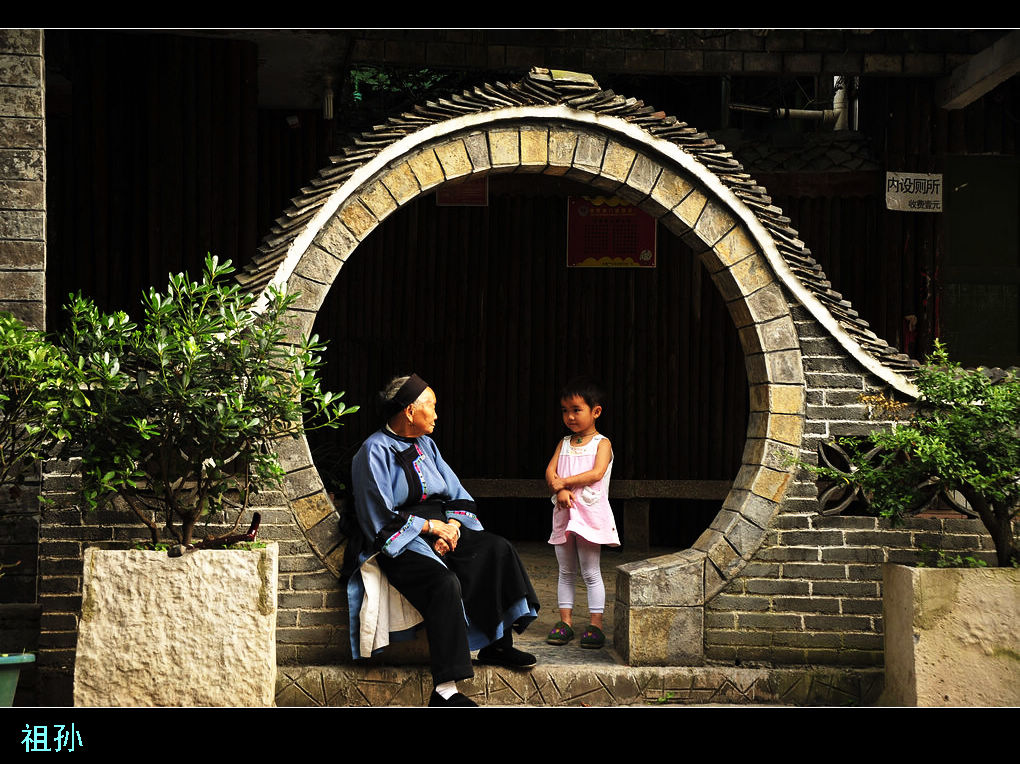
558	123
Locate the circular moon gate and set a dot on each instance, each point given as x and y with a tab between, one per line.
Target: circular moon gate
682	178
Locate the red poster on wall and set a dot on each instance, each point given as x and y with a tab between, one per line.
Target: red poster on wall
607	232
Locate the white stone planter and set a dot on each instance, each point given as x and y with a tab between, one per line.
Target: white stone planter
952	636
197	630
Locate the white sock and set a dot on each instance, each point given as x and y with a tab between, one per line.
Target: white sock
446	690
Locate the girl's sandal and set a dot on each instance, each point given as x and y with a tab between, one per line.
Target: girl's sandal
561	634
593	638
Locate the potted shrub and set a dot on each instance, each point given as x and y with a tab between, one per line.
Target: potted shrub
951	634
11	665
34	392
177	421
180	414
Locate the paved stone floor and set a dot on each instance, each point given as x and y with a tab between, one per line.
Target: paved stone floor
540	560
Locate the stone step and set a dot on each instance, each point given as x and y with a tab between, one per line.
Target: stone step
579	684
570	675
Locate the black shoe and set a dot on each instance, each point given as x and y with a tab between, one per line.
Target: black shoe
456	700
507	657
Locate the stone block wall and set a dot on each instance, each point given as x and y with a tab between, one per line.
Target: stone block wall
23	293
22	176
812	594
19	534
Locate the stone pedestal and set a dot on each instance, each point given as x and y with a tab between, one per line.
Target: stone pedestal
952	636
197	630
659	613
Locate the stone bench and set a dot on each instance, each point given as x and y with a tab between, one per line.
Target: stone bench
634	495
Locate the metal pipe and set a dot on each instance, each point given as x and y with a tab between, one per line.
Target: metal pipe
839	105
825	115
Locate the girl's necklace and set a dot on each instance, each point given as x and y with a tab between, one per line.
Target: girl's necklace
579	439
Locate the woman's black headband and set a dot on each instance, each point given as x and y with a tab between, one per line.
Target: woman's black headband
408	393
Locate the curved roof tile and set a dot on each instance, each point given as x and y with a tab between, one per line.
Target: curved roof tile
582	92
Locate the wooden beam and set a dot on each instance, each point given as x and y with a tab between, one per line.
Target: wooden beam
986	69
509	488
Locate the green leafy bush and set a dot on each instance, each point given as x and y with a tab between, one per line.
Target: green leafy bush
937	558
179	413
964	436
35	391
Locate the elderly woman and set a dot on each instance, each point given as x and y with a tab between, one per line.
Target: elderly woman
468	585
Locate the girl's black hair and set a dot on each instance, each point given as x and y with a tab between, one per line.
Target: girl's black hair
586	388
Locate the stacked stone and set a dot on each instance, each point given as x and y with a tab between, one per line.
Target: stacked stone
23	293
22	176
311	623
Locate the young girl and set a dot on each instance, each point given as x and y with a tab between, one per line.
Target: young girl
578	475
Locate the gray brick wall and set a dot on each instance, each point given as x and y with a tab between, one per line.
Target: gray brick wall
19	611
22	176
19	534
812	594
22	292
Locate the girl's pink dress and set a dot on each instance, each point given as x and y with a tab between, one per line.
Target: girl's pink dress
591	517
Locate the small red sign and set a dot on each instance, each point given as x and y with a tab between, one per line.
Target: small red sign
607	232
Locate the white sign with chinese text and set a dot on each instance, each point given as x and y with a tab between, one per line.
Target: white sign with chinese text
913	191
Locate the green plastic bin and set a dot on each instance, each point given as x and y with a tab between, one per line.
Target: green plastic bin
10	667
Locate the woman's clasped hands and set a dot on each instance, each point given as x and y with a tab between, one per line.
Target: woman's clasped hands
447	534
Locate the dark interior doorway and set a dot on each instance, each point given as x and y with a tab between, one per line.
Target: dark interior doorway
479	302
980	318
